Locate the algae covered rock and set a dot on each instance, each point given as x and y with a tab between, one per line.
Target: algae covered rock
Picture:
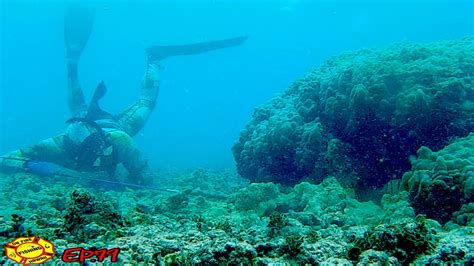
465	216
89	216
378	105
329	204
456	247
404	240
259	197
322	205
373	257
441	182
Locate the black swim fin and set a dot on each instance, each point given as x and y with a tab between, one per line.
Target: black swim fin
160	52
78	22
94	112
99	92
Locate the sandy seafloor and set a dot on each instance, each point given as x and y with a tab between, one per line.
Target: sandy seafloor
221	218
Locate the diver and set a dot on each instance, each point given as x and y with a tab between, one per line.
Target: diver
95	140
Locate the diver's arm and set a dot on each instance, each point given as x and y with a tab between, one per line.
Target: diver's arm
135	116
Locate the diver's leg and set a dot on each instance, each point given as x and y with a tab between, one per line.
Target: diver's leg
48	150
76	102
161	52
77	29
135	116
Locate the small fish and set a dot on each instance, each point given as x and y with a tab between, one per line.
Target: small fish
393	187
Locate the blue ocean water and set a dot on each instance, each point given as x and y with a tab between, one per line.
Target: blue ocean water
204	100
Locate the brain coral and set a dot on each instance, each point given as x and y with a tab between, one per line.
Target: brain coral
441	182
362	114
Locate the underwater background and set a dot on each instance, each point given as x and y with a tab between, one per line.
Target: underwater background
204	100
340	132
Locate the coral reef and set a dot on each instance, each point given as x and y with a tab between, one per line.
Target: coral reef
456	247
347	126
441	182
88	216
255	224
361	114
259	197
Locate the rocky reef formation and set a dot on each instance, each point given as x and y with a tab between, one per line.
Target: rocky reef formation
441	182
360	115
253	224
